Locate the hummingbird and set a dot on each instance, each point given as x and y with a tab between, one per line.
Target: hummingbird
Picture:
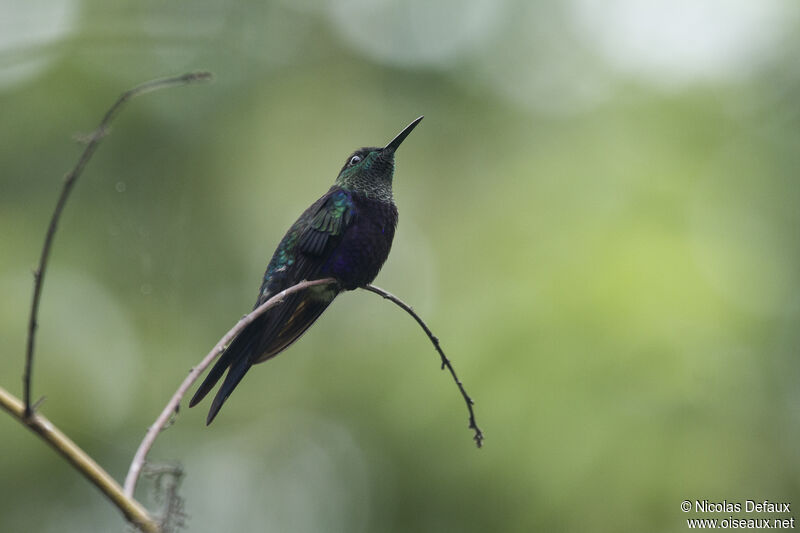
346	235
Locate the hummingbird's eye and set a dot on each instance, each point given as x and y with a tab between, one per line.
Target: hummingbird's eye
355	159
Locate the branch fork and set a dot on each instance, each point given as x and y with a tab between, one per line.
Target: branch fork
25	411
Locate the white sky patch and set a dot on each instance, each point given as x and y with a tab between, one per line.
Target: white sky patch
414	32
29	36
676	42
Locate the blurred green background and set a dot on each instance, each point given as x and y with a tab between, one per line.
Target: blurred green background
598	217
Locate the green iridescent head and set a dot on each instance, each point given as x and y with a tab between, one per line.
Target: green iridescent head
369	171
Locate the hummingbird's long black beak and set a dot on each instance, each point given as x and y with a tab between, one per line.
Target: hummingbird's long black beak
394	143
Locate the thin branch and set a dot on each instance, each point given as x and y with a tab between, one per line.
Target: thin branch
172	406
174	402
445	361
69	181
40	425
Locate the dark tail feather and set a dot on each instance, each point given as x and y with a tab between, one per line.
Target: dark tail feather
211	379
262	339
236	350
235	375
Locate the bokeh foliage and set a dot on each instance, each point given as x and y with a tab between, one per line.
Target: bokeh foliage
598	217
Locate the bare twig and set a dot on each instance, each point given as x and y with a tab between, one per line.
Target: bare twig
445	361
172	406
37	423
69	181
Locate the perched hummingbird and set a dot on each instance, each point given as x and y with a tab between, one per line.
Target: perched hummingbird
345	235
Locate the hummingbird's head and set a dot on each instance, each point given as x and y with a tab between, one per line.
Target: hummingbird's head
369	171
